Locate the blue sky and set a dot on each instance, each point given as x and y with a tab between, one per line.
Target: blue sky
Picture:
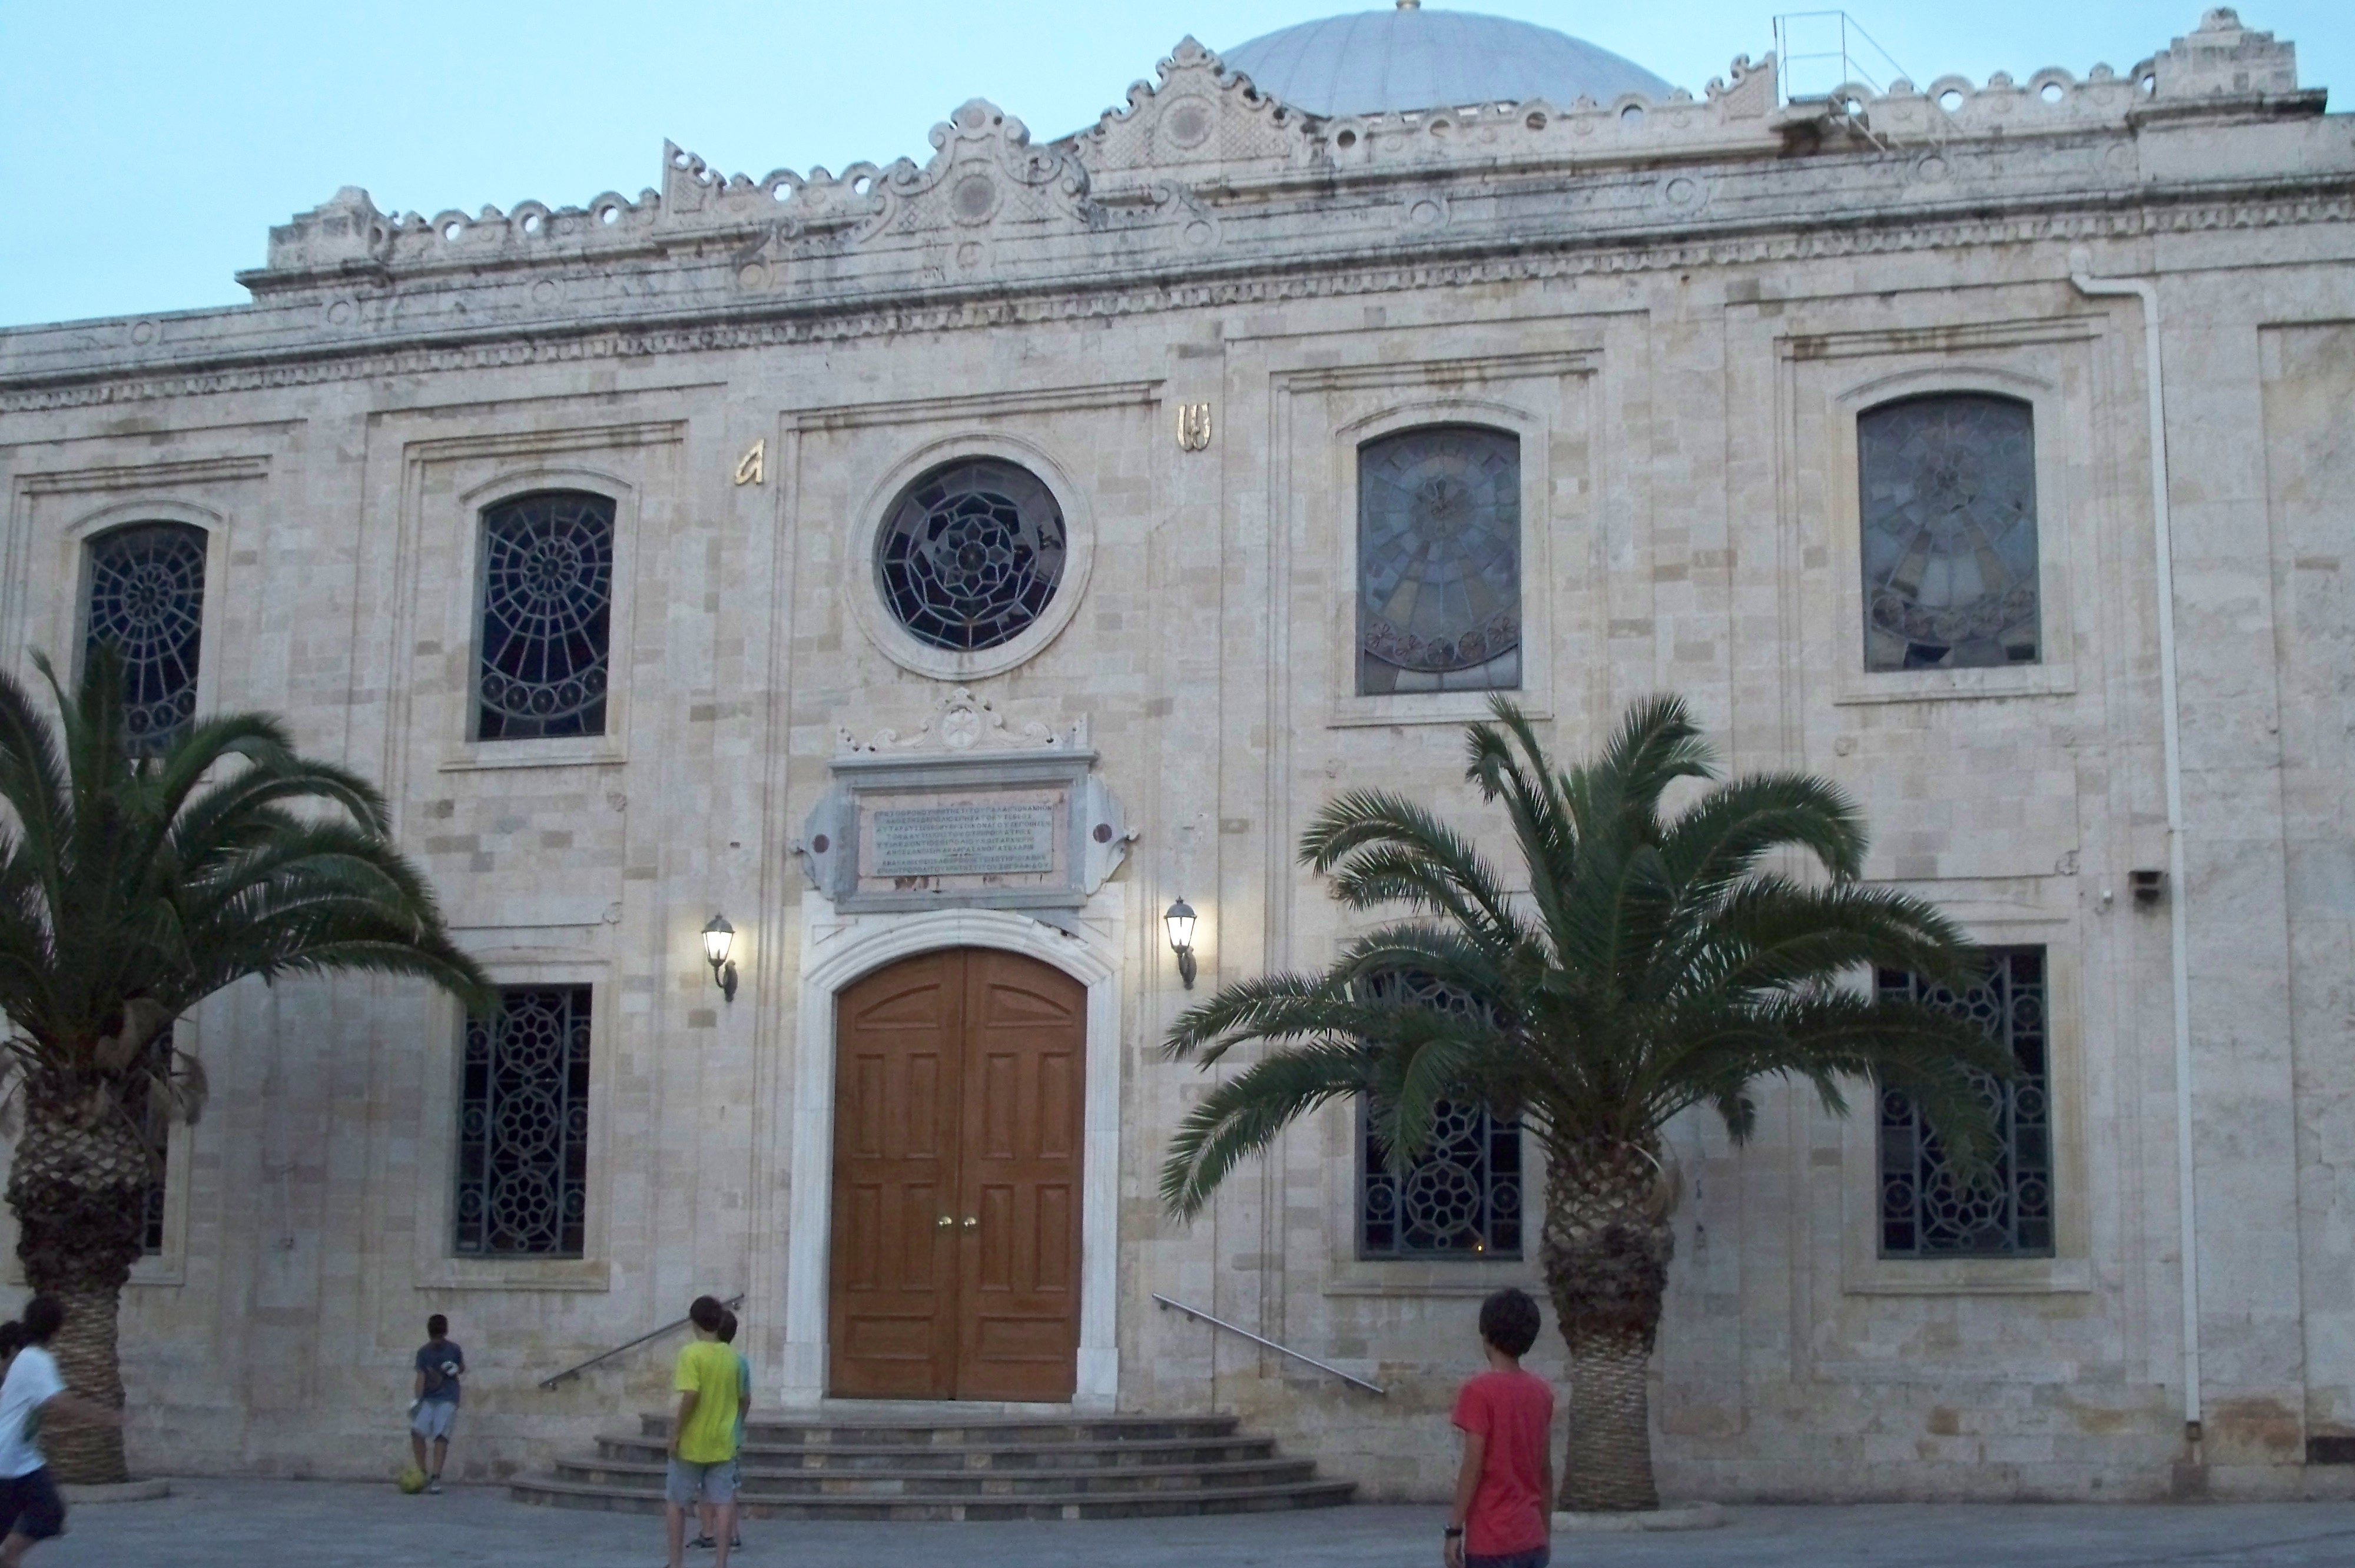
145	149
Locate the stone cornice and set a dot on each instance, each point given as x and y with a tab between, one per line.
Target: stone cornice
747	324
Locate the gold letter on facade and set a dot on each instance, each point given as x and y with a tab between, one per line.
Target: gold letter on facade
748	467
1193	427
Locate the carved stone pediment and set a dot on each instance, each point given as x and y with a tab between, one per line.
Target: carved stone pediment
961	722
1198	113
964	811
986	177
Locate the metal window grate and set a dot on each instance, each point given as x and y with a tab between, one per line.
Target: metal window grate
147	602
155	1123
1462	1198
547	617
1924	1212
523	1127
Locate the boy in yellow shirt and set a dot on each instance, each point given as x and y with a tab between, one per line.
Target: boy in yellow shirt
703	1437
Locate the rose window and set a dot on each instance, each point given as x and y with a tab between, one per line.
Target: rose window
970	554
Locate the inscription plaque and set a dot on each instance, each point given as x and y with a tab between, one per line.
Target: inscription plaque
970	839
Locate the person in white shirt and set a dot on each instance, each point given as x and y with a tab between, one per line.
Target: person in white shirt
31	1510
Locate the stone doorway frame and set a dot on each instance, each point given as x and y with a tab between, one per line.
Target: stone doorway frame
837	951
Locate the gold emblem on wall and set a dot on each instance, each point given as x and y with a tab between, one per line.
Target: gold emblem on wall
1193	427
749	467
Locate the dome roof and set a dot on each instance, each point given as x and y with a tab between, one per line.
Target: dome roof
1375	61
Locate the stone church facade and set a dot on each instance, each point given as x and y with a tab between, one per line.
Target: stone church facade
940	571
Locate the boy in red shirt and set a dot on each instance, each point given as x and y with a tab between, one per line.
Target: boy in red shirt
1504	1489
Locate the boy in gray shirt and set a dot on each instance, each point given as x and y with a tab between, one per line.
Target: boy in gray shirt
439	1364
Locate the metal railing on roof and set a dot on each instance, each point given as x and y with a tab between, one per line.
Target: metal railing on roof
1818	53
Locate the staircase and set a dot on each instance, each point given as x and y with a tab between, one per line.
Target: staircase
1057	1467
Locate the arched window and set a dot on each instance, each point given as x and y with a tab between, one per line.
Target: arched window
1946	484
1439	561
147	602
970	554
546	616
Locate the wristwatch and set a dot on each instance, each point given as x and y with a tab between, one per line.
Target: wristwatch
1451	1532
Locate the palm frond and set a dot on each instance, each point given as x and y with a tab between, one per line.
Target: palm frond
1655	964
1250	1111
134	885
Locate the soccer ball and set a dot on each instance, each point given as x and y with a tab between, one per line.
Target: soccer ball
413	1480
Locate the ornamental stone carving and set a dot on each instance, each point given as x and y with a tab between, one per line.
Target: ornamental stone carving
1198	113
964	811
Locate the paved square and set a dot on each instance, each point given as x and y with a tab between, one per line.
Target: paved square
325	1524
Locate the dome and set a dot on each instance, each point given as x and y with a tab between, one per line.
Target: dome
1371	62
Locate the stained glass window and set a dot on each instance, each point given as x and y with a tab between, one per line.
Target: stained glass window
2007	1213
1439	561
970	554
523	1127
546	616
1947	487
1463	1197
147	602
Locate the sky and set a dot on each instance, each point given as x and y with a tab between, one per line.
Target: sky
146	149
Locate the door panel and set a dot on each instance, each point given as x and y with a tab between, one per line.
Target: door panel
893	1279
958	1084
1027	1029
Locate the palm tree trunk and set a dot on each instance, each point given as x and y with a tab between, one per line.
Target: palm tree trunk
1605	1254
79	1188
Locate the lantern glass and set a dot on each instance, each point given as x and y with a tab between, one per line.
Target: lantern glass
718	937
1180	921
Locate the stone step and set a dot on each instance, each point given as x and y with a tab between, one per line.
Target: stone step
553	1492
934	1463
795	1485
760	1458
827	1432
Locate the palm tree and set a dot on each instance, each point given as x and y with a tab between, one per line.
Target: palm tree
133	887
1655	963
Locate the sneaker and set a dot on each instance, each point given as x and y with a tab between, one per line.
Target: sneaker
736	1544
433	1487
704	1542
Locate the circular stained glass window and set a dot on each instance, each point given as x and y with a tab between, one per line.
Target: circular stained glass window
970	554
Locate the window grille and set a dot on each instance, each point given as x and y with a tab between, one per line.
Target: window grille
1439	561
147	602
523	1127
155	1122
2007	1213
1462	1198
546	616
970	554
1947	487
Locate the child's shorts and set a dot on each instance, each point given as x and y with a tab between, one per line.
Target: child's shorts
432	1419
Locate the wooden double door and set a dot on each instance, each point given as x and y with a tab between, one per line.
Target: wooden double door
957	1121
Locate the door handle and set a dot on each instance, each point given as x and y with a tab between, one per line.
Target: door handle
946	1221
972	1222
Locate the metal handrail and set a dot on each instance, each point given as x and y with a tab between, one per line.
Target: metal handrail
1196	1312
731	1304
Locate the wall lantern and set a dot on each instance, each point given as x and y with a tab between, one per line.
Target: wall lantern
1180	921
718	937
